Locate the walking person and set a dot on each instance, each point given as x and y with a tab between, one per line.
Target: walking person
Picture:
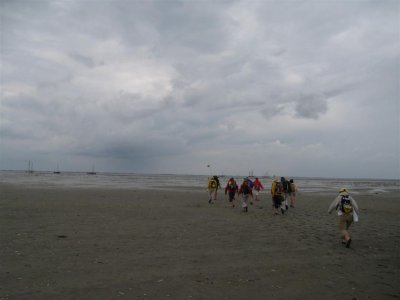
231	188
285	194
257	187
218	185
212	187
251	185
277	195
246	191
292	192
347	210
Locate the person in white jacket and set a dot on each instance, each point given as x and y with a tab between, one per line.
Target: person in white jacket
347	210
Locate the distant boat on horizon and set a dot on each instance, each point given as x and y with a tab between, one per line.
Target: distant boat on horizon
91	172
57	171
30	167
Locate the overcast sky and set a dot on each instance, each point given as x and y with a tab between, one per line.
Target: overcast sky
293	88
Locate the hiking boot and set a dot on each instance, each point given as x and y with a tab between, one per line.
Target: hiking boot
348	243
287	207
282	211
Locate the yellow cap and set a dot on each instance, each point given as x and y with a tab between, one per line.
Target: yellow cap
343	190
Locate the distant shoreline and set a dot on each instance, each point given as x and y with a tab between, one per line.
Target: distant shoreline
221	176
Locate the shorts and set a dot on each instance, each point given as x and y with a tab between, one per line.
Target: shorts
345	221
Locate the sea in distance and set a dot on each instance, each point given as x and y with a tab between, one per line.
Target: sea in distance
183	182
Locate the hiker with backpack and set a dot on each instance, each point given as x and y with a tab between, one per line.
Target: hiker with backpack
257	187
212	188
246	191
285	185
218	185
348	212
277	195
232	189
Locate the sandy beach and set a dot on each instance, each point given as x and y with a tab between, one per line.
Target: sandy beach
84	243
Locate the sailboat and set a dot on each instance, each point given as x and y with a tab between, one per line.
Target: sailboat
92	172
30	167
57	171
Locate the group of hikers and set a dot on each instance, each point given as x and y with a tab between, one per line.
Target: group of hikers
283	194
282	191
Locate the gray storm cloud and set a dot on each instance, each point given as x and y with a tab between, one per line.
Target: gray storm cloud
311	106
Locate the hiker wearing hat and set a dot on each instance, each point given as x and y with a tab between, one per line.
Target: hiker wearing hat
347	210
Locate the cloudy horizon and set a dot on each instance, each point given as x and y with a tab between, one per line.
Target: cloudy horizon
295	88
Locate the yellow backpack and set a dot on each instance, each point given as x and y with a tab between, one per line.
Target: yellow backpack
345	204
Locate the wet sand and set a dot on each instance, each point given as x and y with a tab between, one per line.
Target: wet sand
141	244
